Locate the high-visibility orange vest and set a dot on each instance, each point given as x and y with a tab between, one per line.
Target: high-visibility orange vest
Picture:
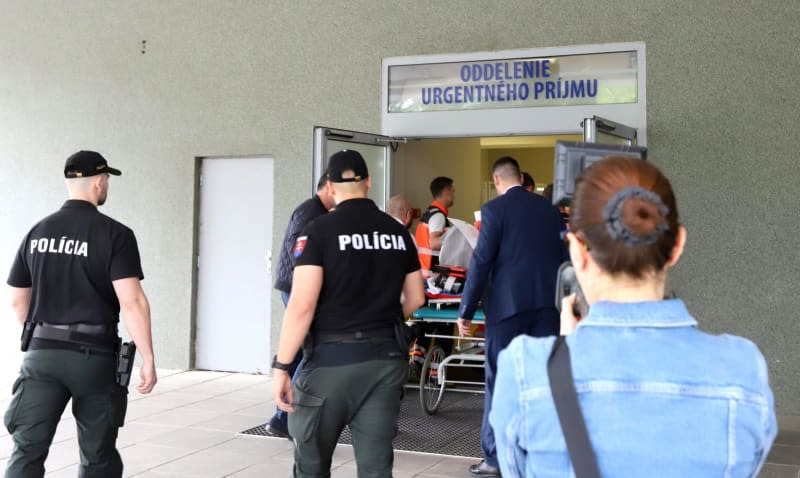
423	237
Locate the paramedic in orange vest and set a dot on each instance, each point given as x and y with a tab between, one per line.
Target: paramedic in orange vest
434	223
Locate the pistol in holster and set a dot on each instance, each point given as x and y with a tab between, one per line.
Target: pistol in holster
125	356
308	347
27	335
404	335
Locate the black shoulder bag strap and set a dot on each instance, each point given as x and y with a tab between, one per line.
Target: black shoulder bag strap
562	386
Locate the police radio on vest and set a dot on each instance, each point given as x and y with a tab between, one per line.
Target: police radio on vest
372	241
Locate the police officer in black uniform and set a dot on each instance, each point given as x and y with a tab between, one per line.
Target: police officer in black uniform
73	272
356	277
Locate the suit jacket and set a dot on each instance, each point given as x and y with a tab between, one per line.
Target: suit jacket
517	256
303	214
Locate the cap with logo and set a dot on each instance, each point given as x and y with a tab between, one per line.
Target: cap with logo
347	160
87	163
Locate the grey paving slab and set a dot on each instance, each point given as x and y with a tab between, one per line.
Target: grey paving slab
271	449
784	455
789	422
259	393
183	416
136	432
221	404
66	472
141	409
415	462
149	474
273	470
450	466
142	457
779	471
262	411
6	446
210	463
231	422
788	437
67	430
62	454
196	439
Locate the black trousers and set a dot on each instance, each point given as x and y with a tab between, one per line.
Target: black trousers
536	323
48	379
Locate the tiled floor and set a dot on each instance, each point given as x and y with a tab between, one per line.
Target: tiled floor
189	428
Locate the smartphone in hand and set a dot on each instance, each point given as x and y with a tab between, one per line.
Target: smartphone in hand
566	284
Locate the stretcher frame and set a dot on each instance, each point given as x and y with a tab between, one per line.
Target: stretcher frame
433	380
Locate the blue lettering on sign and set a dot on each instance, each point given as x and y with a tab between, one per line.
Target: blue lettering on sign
505	70
550	90
502	91
538	87
524	91
564	89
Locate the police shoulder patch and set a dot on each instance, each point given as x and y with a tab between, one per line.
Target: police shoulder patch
299	246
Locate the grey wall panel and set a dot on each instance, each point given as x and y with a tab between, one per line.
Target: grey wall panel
245	77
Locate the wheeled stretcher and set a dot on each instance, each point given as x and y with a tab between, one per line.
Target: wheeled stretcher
467	353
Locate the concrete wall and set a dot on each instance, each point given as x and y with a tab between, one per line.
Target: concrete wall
246	77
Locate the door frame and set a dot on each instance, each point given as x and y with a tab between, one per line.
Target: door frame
321	154
595	124
198	162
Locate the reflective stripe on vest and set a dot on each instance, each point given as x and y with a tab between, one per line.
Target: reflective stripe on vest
423	237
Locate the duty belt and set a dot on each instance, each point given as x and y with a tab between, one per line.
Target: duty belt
325	337
91	329
348	353
103	336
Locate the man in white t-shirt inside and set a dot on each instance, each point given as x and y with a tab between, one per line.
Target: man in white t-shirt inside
434	223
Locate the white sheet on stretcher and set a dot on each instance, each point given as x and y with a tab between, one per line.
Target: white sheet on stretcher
458	244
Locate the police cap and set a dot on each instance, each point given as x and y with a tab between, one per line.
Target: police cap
87	163
347	160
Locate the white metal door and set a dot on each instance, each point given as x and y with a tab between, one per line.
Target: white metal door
234	280
375	149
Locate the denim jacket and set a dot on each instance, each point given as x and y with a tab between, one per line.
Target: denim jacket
659	397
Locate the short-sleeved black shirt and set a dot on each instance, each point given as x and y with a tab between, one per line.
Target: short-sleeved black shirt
69	259
365	255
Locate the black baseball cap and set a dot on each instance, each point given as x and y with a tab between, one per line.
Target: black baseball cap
87	163
347	160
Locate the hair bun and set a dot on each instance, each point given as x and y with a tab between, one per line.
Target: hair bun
642	217
636	216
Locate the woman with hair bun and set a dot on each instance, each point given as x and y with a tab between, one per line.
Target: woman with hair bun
658	396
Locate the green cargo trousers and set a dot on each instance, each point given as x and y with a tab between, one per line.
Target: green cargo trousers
365	396
48	379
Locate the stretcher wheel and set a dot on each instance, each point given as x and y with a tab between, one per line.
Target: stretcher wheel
431	385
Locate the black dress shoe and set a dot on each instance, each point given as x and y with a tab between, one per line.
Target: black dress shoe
274	432
483	470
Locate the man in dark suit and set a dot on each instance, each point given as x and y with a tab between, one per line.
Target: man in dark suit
517	257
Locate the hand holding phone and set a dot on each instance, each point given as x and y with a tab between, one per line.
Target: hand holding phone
567	285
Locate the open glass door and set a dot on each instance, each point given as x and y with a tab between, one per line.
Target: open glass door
601	130
376	150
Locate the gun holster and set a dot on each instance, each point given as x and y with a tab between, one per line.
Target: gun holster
27	335
308	347
404	335
125	356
